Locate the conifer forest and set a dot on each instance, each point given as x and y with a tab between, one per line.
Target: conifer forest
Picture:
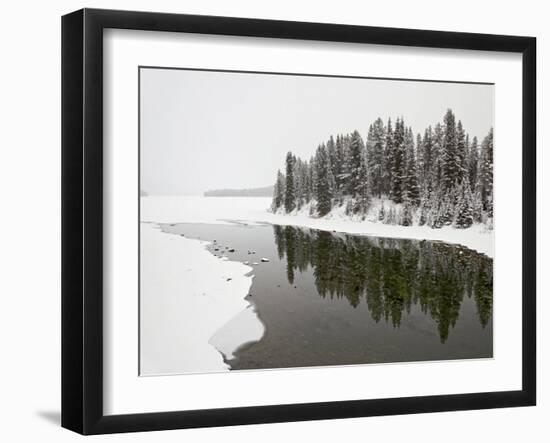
437	178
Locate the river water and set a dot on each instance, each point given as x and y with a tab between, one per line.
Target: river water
328	298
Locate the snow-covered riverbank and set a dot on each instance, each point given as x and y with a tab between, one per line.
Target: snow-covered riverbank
171	209
189	302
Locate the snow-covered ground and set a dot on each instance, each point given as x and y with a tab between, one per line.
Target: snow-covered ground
189	308
168	209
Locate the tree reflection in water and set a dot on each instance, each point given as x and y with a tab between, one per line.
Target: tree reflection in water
391	275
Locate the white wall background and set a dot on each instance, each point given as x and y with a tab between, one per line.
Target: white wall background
30	218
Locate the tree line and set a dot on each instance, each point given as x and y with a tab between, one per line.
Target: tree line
440	177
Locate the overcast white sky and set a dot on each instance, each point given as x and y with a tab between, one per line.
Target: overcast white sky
209	130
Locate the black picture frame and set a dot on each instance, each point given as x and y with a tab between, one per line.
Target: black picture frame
82	220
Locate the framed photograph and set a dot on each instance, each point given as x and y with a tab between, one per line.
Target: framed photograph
270	221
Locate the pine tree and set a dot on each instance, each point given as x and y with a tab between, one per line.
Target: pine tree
358	180
382	213
391	217
347	185
447	208
339	168
298	183
410	189
427	160
420	161
425	207
461	152
464	216
324	181
278	191
477	206
473	163
306	178
313	177
486	173
387	160
435	209
397	161
405	215
451	168
368	154
437	169
290	194
302	180
375	157
333	158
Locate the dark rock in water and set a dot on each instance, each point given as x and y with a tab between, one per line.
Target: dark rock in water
216	249
231	250
229	279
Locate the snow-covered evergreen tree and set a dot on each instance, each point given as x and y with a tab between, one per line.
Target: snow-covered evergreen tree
391	218
358	179
298	183
486	173
333	158
375	157
420	161
461	152
312	172
477	206
290	192
388	156
324	181
397	161
473	163
410	188
426	147
339	168
278	191
405	216
437	169
382	213
464	216
451	159
425	206
302	182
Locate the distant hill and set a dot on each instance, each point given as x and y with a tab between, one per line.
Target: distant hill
266	191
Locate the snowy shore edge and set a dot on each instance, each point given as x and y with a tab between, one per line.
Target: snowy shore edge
176	209
189	304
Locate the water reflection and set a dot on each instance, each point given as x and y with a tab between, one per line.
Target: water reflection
391	275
